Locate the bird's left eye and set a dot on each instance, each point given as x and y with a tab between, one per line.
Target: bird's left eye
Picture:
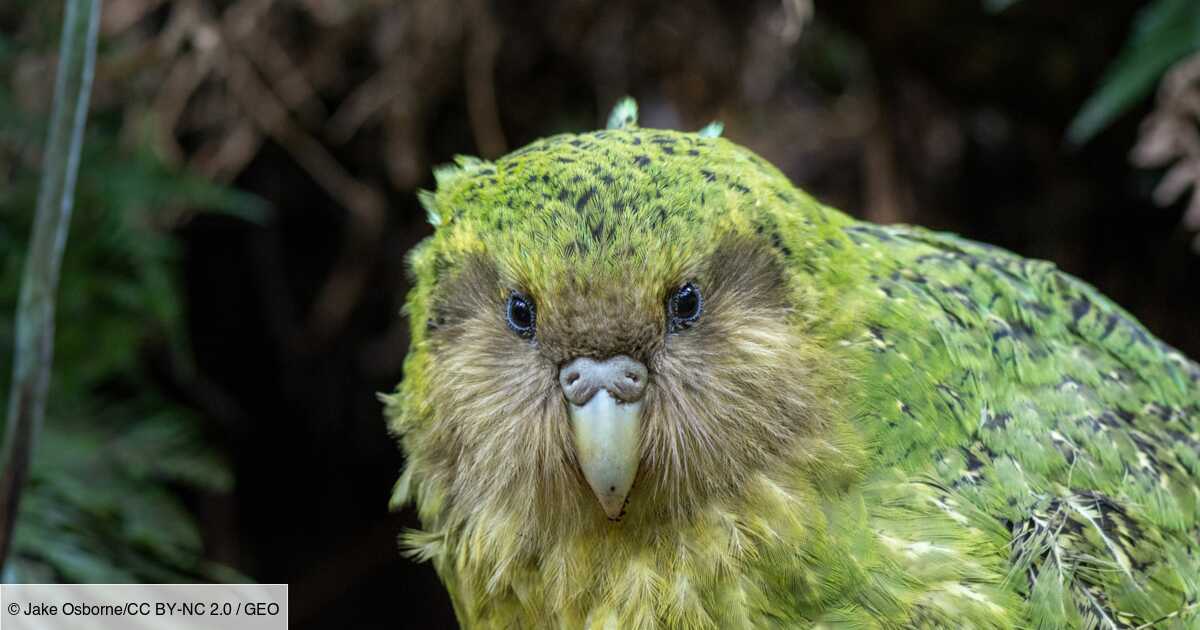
684	306
521	314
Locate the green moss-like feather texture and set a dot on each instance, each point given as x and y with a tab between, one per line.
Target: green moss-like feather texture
1000	446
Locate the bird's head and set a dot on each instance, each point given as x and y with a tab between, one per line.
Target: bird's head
612	326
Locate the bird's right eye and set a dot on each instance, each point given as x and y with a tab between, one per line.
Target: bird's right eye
521	314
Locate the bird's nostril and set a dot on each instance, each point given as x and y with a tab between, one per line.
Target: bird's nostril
619	376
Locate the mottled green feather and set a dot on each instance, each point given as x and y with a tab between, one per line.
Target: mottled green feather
995	444
1051	409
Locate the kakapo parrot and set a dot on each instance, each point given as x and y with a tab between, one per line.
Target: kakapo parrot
652	384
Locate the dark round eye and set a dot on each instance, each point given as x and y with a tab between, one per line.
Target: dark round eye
521	314
684	307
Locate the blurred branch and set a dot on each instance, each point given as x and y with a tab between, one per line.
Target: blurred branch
365	204
368	98
888	199
481	85
1170	137
238	85
222	158
288	79
34	333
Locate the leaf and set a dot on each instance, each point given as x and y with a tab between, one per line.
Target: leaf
1163	33
97	507
169	446
140	183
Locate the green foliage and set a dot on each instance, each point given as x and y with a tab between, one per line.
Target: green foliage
102	502
1163	33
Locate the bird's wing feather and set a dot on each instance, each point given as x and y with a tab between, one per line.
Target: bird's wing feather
1037	400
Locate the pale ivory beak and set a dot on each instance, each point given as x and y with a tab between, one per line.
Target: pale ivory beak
606	442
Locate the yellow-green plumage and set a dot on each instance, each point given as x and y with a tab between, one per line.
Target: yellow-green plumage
871	427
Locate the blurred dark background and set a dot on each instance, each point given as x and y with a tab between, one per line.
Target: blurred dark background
248	196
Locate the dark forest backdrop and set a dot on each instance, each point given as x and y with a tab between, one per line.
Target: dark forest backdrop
235	271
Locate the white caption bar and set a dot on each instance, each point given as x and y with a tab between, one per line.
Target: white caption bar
137	606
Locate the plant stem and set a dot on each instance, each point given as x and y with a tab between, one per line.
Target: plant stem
35	311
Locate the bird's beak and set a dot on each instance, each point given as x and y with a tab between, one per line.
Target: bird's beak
606	442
